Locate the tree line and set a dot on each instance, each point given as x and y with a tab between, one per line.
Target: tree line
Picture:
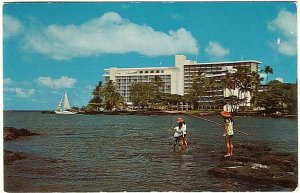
239	85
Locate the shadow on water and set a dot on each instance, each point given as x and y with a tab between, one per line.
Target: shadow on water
127	153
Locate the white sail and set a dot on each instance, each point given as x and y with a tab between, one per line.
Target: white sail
59	108
66	102
63	107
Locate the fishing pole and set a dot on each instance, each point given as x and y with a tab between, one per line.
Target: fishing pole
216	123
172	123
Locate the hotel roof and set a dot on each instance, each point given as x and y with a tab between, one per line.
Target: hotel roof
230	62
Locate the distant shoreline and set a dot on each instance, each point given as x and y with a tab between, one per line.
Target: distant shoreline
160	112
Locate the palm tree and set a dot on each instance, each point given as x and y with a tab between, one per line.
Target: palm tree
158	84
96	101
229	82
157	81
197	88
211	89
112	98
142	94
267	70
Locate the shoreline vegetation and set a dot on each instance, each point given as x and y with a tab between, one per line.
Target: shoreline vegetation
252	162
169	112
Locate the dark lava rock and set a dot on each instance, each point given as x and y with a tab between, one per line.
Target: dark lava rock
11	133
10	157
258	164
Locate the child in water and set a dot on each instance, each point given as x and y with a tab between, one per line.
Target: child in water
180	130
228	132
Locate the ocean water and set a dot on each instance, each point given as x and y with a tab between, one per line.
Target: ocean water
92	153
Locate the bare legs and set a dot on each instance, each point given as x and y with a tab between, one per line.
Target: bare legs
181	142
184	140
229	146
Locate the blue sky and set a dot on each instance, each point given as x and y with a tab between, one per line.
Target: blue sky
49	48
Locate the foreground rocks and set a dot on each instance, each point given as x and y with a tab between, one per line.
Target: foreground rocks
10	156
11	133
258	164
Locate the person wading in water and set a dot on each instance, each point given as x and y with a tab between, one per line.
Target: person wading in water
180	133
228	132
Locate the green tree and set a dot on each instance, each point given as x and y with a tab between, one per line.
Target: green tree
158	85
292	103
243	81
274	99
197	89
112	99
267	70
158	82
229	82
211	90
142	94
171	100
96	101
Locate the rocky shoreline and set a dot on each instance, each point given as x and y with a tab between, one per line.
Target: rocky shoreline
256	163
11	133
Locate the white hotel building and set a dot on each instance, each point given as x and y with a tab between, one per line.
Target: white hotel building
178	79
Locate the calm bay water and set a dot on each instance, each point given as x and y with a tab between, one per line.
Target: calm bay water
130	153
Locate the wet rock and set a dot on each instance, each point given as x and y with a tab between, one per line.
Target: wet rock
11	133
258	164
10	157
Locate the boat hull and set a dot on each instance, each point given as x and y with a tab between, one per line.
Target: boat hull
65	113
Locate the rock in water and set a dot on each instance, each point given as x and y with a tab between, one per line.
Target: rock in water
13	156
11	133
258	164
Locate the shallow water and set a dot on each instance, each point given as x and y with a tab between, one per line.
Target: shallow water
130	153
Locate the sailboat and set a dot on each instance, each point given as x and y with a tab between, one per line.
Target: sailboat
63	107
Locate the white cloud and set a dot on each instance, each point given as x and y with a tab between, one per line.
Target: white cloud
11	26
216	50
279	79
24	93
11	90
285	25
107	34
62	82
177	17
7	81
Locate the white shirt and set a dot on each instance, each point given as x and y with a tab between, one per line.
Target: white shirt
183	128
179	132
229	127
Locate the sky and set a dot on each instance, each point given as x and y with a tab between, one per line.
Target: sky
49	48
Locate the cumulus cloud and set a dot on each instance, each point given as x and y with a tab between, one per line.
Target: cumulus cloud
108	34
11	26
216	50
24	93
8	89
285	26
7	81
61	83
